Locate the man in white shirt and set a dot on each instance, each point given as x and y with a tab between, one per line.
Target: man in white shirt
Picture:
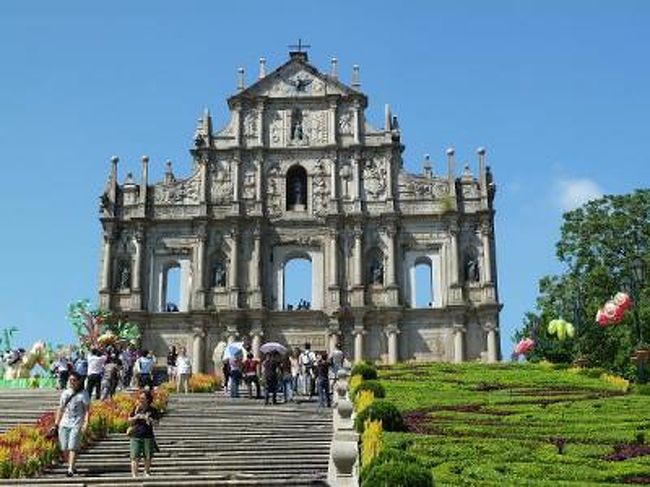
307	364
96	363
184	370
145	367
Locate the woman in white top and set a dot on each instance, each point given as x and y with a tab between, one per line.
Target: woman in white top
184	370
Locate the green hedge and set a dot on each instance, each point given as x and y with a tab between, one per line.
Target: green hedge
399	474
383	410
366	370
370	385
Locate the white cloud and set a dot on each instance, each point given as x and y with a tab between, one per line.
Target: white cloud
576	192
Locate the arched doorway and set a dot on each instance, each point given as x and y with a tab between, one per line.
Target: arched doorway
297	284
423	292
171	288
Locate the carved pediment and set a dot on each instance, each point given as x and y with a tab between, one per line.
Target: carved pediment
296	78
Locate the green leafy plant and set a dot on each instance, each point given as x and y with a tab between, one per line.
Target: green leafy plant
366	370
399	474
370	385
384	411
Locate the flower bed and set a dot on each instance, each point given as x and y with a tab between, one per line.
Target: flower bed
29	383
25	450
198	383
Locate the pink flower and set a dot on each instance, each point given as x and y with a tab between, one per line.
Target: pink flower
524	347
601	318
623	301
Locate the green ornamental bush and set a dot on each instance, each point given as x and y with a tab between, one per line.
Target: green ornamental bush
399	474
370	385
387	455
366	370
383	410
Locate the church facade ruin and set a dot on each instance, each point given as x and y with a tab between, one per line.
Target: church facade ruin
298	173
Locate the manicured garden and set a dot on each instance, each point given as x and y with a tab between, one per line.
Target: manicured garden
519	424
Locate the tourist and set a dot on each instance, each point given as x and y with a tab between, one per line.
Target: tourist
270	367
81	367
307	363
184	371
251	375
61	369
145	365
71	419
110	377
127	357
142	439
225	371
287	378
323	381
171	363
294	358
96	362
235	366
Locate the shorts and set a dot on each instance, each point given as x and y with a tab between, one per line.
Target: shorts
142	447
171	371
70	437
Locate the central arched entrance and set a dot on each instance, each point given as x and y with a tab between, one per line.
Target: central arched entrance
297	284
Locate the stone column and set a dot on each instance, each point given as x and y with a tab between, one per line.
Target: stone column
137	240
390	258
235	180
356	122
358	345
487	252
393	350
358	262
255	260
333	331
234	269
198	350
453	234
332	121
459	343
333	179
491	335
256	339
333	255
199	296
107	261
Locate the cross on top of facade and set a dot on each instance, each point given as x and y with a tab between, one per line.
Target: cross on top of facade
300	46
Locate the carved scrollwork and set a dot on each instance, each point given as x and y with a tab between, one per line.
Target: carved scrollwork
183	192
221	184
374	175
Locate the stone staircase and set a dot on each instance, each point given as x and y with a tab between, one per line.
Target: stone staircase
25	406
208	439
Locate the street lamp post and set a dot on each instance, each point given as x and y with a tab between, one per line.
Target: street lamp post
637	279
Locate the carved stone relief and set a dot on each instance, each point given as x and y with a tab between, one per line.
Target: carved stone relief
345	122
251	126
221	183
320	190
274	190
374	175
276	127
184	192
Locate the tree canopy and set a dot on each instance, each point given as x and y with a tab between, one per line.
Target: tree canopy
600	244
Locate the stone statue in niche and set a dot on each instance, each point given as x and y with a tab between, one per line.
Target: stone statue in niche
472	271
299	197
124	275
377	272
219	275
297	131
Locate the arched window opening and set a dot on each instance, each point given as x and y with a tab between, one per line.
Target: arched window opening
297	189
172	288
297	284
219	277
424	284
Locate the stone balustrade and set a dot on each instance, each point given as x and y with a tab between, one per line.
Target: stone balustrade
343	468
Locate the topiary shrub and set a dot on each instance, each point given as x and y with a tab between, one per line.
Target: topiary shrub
366	370
399	474
382	410
370	385
387	455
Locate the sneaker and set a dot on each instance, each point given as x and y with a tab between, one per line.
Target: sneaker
147	474
69	473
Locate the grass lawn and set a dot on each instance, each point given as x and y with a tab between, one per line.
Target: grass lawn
503	424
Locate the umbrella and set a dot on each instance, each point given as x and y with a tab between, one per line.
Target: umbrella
271	347
235	348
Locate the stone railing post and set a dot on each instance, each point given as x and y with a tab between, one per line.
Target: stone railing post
343	468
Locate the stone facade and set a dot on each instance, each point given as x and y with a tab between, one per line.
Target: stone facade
298	173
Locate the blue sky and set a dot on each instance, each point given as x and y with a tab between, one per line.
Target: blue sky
556	91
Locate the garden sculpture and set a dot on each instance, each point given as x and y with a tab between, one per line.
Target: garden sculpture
20	363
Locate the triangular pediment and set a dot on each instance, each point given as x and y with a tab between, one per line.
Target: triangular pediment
296	78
